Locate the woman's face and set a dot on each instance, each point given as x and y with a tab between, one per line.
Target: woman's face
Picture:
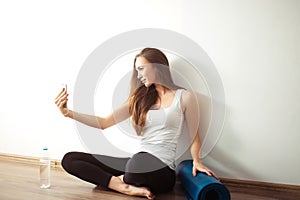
145	71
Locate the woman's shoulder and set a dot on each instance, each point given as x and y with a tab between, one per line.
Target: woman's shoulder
188	97
187	94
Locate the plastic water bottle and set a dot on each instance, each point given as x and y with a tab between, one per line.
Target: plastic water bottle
45	169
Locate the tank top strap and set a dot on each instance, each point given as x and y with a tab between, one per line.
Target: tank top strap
178	97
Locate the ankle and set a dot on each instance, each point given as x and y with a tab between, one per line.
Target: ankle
117	184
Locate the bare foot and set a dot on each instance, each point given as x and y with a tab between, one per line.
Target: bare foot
117	184
121	178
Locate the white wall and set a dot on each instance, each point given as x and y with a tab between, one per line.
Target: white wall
253	44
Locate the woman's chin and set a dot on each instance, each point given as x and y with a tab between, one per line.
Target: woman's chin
147	85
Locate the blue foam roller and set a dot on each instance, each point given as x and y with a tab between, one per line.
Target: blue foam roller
202	186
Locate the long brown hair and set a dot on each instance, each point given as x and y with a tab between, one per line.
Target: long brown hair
142	98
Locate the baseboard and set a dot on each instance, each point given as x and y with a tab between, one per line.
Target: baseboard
233	184
27	160
247	185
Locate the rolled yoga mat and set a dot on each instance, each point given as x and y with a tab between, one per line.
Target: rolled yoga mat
202	186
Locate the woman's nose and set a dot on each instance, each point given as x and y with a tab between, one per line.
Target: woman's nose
139	75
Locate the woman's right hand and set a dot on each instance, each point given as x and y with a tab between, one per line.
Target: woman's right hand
61	102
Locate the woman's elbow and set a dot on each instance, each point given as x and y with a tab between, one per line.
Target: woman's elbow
103	123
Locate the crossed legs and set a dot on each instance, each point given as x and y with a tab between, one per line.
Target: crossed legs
136	176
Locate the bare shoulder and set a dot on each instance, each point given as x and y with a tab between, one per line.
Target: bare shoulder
188	97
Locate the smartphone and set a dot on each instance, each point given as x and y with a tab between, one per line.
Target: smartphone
65	86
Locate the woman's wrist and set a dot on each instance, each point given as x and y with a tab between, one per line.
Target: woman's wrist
197	160
66	113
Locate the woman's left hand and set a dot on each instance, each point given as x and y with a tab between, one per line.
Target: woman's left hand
199	166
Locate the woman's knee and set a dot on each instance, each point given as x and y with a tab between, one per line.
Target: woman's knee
68	159
143	162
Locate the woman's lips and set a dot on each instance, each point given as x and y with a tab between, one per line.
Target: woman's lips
143	80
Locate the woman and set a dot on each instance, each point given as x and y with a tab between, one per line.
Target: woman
157	108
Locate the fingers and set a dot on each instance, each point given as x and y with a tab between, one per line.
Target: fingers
62	91
211	173
205	170
61	99
214	175
194	171
208	172
62	104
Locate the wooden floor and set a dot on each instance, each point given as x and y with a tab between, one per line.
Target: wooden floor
20	181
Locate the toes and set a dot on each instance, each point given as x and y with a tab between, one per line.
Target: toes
149	195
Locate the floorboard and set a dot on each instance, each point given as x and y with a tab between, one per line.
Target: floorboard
20	181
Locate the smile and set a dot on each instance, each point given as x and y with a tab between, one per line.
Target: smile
143	80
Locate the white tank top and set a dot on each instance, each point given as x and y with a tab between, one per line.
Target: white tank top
162	130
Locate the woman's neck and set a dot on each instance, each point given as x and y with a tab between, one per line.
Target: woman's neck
162	90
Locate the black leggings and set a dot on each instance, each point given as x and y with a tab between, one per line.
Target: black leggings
142	169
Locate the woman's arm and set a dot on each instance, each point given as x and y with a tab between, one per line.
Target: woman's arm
197	162
192	117
94	121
